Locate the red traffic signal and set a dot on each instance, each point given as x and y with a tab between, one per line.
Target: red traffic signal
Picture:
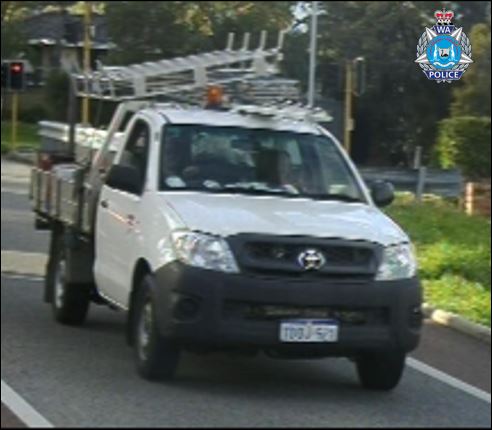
13	75
16	67
17	76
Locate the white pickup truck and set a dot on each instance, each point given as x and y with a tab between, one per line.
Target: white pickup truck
245	230
226	230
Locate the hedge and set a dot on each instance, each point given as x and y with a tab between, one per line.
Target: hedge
464	142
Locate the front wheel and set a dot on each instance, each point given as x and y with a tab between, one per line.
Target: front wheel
381	370
157	358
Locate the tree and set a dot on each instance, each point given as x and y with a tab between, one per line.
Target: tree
401	107
472	96
149	30
12	12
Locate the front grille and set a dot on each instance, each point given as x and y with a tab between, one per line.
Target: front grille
281	255
344	315
335	255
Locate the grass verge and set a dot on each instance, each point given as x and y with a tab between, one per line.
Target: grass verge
27	137
454	255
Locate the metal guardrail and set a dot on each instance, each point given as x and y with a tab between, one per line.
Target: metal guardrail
59	132
444	183
55	139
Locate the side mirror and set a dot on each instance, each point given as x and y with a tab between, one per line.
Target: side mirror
125	178
383	193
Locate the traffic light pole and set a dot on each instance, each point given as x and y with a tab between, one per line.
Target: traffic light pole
15	119
87	57
349	122
312	55
355	85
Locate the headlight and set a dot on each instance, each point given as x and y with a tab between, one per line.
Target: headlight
399	262
204	251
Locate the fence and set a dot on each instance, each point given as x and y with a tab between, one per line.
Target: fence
477	198
444	183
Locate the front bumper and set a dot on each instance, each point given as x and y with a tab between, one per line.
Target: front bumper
204	308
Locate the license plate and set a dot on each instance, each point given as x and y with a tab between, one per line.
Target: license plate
309	331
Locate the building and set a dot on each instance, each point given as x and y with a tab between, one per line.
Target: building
56	41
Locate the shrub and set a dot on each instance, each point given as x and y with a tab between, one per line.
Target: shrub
464	142
57	94
34	114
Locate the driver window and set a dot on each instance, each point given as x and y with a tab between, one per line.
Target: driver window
136	152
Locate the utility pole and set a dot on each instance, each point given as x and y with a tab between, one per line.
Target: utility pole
349	122
15	120
87	56
313	50
355	85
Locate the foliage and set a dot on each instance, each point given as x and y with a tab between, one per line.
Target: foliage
33	114
392	129
27	136
57	94
454	255
464	142
401	107
12	38
472	94
176	28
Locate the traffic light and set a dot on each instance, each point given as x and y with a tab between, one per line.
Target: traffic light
13	76
5	75
17	76
360	79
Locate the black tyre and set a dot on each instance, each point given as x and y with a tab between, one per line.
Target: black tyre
381	370
70	301
157	358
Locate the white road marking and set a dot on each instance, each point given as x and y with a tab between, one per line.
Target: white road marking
15	179
16	191
15	216
449	380
17	277
24	263
23	410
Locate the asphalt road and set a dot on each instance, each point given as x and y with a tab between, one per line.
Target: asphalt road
85	376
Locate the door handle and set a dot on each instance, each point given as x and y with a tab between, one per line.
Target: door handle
105	204
131	220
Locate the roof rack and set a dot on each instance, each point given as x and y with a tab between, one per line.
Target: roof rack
287	111
187	74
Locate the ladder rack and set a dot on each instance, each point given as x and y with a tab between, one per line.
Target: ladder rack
185	75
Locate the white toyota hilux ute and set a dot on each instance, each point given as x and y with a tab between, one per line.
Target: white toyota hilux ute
223	231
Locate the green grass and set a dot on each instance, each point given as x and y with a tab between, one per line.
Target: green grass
454	255
28	138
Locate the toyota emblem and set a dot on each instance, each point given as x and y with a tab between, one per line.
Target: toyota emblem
312	259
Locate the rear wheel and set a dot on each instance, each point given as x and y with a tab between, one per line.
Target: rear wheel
156	357
381	370
70	301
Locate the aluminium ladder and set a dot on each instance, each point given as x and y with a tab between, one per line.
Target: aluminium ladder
185	75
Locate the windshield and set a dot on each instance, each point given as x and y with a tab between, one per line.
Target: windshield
252	161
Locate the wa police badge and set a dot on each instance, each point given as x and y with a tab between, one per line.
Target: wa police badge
444	51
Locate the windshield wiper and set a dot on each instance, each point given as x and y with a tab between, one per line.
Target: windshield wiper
335	197
253	191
